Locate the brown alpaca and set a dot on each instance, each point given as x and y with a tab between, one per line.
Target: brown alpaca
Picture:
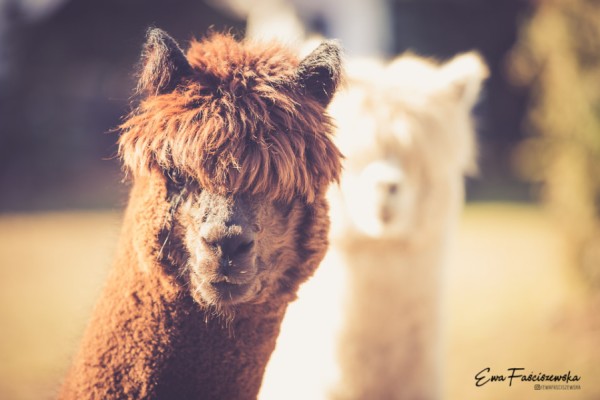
231	156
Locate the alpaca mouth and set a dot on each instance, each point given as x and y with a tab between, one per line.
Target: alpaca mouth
226	293
230	290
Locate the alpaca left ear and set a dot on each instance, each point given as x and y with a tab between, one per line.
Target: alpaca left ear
163	64
319	73
465	74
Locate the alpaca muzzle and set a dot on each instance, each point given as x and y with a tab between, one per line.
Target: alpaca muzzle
233	257
225	269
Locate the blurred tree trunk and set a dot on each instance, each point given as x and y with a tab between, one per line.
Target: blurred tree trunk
558	56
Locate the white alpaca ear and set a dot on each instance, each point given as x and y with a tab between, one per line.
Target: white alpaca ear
465	74
163	64
319	73
462	79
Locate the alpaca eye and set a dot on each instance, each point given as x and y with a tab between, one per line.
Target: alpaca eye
244	247
285	208
176	178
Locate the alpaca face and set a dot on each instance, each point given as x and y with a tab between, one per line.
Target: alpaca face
230	245
380	198
380	185
241	136
220	238
406	131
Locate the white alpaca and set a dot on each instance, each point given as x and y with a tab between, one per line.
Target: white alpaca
368	326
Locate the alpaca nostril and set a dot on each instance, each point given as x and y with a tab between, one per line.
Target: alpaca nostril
230	246
393	188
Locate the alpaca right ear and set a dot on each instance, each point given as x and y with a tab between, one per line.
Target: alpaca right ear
163	64
464	76
319	73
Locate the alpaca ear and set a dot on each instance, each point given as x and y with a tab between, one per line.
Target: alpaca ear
319	73
465	74
163	64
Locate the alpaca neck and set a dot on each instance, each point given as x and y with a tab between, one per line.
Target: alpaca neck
213	359
389	345
148	339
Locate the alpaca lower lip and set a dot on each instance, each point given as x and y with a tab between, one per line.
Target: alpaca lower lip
227	292
220	292
230	287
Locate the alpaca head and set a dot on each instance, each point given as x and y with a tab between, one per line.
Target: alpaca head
239	134
406	130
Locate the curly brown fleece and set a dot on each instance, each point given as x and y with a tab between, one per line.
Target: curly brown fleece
238	119
239	123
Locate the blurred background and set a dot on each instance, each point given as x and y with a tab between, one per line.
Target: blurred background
523	289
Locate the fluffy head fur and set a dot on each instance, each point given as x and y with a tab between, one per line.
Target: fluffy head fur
407	132
241	118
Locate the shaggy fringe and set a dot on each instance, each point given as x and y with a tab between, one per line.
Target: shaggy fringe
239	124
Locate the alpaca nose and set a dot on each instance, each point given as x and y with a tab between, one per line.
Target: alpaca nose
237	244
234	250
231	241
391	188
